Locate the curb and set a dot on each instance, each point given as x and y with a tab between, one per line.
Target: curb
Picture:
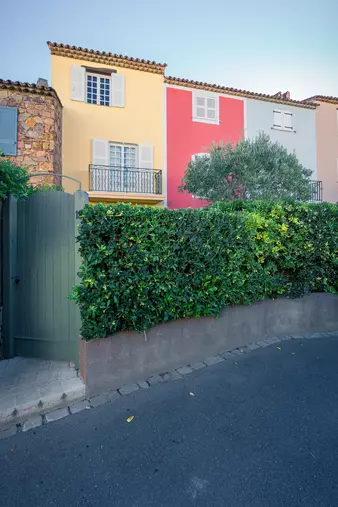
95	401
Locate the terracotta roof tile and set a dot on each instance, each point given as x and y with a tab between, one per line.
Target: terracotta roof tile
28	88
323	98
235	91
107	58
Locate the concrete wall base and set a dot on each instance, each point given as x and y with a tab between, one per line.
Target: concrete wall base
129	357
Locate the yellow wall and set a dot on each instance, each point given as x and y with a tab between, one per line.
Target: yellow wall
141	121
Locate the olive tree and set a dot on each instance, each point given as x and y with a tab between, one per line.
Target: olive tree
251	169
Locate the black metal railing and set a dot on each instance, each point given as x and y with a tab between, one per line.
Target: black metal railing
316	191
104	178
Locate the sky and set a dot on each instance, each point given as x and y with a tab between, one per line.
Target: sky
256	45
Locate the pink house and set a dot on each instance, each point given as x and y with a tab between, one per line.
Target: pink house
327	145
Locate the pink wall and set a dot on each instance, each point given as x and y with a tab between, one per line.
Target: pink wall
327	149
186	137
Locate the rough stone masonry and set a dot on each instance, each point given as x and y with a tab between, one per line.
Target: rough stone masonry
39	127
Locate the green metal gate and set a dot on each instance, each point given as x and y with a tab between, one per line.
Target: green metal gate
41	262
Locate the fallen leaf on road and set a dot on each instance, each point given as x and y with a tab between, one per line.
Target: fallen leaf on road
236	364
130	418
191	394
12	449
278	348
293	353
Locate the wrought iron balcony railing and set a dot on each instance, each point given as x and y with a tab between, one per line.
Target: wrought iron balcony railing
316	191
103	178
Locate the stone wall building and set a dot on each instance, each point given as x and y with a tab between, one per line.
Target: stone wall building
31	127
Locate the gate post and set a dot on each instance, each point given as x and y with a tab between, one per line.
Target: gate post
80	200
10	274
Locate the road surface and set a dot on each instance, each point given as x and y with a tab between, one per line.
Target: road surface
260	431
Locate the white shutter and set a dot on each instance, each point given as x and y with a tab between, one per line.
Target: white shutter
287	121
77	82
100	152
193	157
146	156
277	118
117	90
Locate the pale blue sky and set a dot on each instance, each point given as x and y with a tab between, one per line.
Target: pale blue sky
258	45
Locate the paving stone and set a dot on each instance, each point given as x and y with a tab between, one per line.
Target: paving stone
55	415
155	379
113	395
184	370
285	337
250	347
74	388
144	384
238	352
316	335
79	406
127	389
332	333
174	375
210	361
198	366
272	340
98	400
32	422
165	376
262	343
228	355
8	432
51	391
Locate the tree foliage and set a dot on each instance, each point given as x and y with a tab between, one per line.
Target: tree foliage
15	180
255	169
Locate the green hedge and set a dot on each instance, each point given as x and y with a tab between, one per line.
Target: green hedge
145	265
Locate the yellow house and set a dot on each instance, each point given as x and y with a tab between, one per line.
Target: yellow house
113	124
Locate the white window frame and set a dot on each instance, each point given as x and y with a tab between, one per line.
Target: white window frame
125	145
205	95
98	76
284	112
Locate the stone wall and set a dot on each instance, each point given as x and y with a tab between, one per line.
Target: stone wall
39	131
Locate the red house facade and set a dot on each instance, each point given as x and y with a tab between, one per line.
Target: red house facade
196	118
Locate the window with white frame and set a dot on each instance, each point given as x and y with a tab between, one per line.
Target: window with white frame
98	90
122	167
123	155
205	107
283	120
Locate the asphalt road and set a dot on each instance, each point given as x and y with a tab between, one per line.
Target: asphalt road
262	432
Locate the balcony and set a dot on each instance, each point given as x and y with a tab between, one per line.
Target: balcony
125	184
316	191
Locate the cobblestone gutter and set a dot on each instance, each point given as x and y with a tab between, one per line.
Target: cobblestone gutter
90	403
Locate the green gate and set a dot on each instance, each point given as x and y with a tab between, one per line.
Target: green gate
40	268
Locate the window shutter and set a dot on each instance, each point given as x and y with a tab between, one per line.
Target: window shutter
100	152
193	157
77	83
146	156
287	121
277	118
117	90
8	130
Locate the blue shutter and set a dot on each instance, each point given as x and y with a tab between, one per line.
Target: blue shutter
8	130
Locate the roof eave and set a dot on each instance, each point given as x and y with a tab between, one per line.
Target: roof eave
236	92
